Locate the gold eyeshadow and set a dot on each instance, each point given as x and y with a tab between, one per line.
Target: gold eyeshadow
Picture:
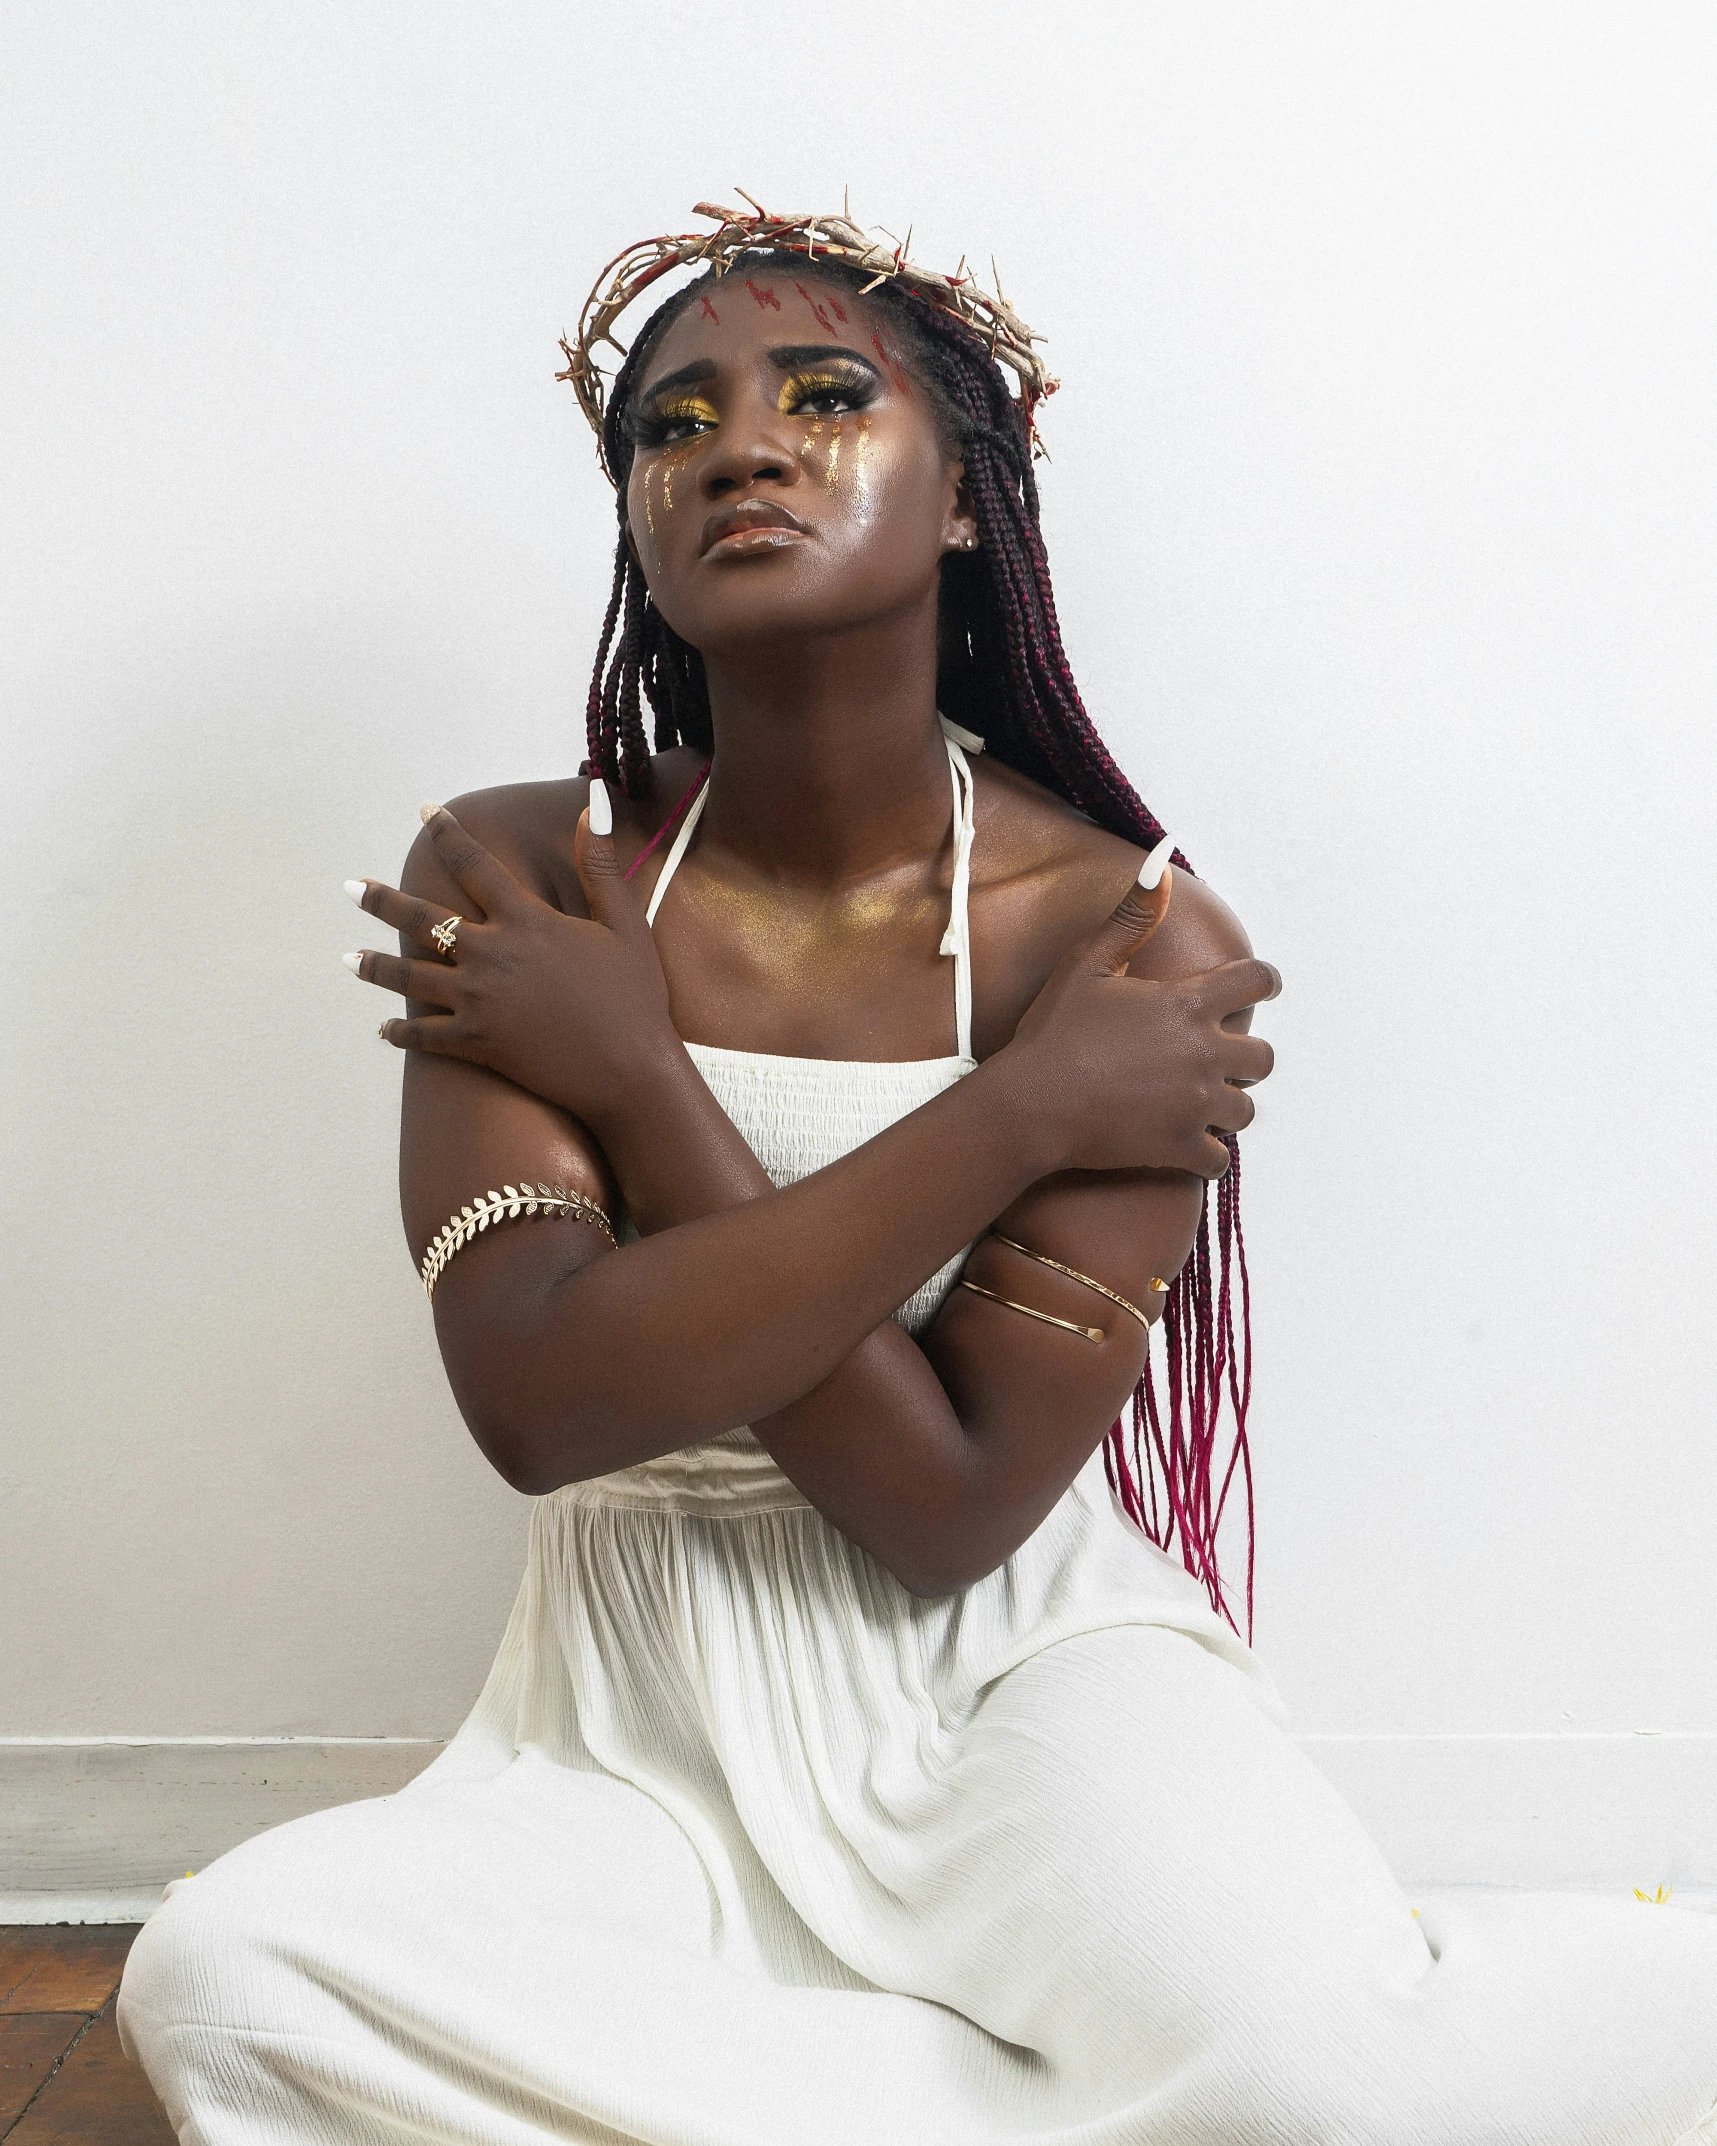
684	409
651	425
854	382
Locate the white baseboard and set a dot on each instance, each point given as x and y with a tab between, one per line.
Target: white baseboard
90	1830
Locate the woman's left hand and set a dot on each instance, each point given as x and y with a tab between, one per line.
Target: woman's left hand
573	1009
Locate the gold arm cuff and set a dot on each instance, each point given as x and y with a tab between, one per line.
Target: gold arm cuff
1085	1333
505	1206
1090	1281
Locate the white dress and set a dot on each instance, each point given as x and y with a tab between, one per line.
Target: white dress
743	1845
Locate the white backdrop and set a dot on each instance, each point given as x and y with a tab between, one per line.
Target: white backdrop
1382	514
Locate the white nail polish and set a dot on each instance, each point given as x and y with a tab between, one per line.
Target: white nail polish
354	962
601	807
427	812
357	889
1156	864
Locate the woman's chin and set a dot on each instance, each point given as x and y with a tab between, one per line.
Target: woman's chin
754	607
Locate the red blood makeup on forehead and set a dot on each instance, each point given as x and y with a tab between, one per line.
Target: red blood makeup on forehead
820	310
891	364
765	297
709	312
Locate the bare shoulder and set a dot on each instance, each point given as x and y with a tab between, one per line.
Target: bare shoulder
1048	875
529	827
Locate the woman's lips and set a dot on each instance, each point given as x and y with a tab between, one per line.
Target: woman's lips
736	532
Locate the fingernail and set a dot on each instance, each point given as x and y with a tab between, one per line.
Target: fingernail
383	1032
354	962
601	808
1156	864
427	812
357	889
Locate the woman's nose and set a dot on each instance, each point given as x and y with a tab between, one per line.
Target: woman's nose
756	445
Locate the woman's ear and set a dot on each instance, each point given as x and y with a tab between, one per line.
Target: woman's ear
960	526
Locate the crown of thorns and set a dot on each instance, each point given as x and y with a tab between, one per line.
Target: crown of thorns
834	238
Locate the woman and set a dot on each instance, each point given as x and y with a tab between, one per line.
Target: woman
860	1775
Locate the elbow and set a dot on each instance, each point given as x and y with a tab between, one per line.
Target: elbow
520	1462
926	1585
532	1439
528	1456
957	1537
947	1566
528	1477
934	1582
536	1450
955	1531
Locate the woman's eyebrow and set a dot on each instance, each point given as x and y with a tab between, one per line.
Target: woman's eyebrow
687	376
791	355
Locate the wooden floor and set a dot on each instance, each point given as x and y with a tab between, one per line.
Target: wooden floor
64	2080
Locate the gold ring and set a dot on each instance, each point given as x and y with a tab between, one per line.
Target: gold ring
445	934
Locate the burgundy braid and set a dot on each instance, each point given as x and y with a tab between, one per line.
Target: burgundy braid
1004	674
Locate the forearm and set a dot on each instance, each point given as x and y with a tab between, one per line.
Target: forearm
675	1153
733	1316
879	1448
966	1440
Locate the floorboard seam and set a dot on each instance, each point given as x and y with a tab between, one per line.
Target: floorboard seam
90	2019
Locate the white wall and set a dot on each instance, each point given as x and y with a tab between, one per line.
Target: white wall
1382	512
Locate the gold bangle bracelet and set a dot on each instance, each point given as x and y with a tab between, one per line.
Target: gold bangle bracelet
1085	1333
505	1206
1090	1281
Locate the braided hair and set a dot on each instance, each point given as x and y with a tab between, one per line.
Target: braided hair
1002	672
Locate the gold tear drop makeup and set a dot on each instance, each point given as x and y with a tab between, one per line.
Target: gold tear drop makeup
676	422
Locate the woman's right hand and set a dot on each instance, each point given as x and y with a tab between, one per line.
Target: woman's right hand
1140	1073
572	1009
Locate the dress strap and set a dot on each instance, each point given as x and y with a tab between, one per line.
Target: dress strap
671	863
957	939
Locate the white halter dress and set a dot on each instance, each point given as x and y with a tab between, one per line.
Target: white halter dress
743	1845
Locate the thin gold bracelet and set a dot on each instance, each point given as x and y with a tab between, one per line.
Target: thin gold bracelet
505	1206
1085	1333
1089	1280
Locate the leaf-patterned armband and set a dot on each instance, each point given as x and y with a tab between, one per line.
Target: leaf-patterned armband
507	1205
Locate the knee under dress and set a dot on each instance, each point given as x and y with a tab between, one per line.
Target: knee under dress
744	1845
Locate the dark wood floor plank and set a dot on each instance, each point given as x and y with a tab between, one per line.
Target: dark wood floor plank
98	2097
31	2044
62	1967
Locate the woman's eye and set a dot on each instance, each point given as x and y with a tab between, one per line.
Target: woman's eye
668	424
829	397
